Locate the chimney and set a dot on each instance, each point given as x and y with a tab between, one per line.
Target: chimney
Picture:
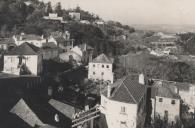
109	90
141	79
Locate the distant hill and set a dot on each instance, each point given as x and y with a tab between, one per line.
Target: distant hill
166	28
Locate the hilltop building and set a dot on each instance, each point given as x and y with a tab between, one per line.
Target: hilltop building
100	68
36	40
75	16
25	59
124	102
53	16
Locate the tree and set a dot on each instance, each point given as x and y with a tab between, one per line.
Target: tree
49	8
58	9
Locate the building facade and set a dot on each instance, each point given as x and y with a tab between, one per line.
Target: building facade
100	68
123	103
165	105
23	60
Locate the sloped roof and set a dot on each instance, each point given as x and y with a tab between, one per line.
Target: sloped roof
62	107
128	90
29	37
164	92
22	110
24	49
102	58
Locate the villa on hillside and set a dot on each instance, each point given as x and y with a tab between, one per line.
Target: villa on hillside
75	16
124	102
53	16
24	59
100	68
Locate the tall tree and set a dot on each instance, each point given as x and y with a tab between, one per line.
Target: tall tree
49	8
58	9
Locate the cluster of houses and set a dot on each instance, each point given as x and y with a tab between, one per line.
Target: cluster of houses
165	45
75	16
123	101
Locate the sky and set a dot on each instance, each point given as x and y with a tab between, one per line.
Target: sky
178	12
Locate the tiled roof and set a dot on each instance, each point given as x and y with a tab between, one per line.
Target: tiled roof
128	90
102	59
24	49
172	85
22	110
164	92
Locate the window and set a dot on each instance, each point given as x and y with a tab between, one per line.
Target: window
93	73
107	66
173	102
160	99
12	59
102	73
102	66
123	109
93	65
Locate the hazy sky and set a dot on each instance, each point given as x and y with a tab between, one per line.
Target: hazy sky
138	11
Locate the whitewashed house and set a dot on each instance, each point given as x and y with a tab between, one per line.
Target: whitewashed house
23	60
100	68
53	16
185	90
36	40
85	51
165	104
124	102
75	16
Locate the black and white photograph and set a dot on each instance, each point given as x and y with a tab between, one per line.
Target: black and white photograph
97	64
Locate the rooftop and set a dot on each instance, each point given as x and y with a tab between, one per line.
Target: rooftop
164	92
28	37
128	90
102	59
24	49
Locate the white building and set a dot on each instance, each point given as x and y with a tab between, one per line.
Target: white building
84	22
165	104
85	51
185	90
30	38
22	60
100	68
123	103
75	15
53	16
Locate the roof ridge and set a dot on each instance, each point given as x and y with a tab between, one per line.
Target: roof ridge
119	85
130	93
